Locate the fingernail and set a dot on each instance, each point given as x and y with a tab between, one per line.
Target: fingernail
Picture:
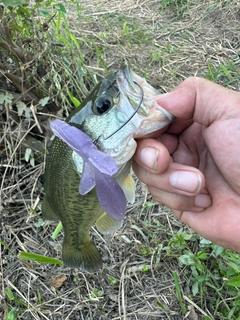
149	157
185	181
203	201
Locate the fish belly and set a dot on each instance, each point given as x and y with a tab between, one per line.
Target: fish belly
76	212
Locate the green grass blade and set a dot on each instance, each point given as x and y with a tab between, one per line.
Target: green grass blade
38	258
57	230
179	295
6	246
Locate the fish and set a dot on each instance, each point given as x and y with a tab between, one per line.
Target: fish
119	110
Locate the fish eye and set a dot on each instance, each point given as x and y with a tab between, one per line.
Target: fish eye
102	105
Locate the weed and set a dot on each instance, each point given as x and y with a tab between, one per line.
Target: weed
147	204
178	290
178	6
212	267
11	314
225	73
144	268
29	156
95	294
112	280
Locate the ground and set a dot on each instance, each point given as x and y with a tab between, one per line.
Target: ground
142	277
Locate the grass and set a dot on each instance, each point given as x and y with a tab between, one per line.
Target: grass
155	268
225	72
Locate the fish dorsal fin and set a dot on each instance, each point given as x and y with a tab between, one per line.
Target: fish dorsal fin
107	225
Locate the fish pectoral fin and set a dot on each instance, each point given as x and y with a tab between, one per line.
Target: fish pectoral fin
128	186
107	225
47	211
85	256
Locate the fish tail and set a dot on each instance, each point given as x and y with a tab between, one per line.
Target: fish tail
85	257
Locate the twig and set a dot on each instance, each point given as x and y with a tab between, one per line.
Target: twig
35	118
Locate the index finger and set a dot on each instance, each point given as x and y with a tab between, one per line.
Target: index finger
199	100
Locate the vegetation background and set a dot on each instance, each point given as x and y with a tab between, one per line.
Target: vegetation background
51	56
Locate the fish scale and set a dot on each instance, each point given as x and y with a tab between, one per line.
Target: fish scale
74	209
107	108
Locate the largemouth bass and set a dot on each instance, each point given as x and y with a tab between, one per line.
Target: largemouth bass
104	117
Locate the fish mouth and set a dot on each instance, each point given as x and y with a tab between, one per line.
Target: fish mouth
141	96
157	119
125	70
140	129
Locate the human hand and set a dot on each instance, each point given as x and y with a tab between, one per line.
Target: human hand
194	166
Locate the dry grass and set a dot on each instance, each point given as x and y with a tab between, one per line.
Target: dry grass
136	281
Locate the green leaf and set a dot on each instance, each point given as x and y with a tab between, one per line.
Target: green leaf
74	100
21	106
187	259
44	101
147	204
43	12
32	162
199	265
6	246
160	305
28	154
234	266
38	258
217	249
195	288
12	3
6	97
234	281
95	293
204	241
112	280
186	236
23	11
11	314
39	223
144	268
201	255
60	8
28	113
9	293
